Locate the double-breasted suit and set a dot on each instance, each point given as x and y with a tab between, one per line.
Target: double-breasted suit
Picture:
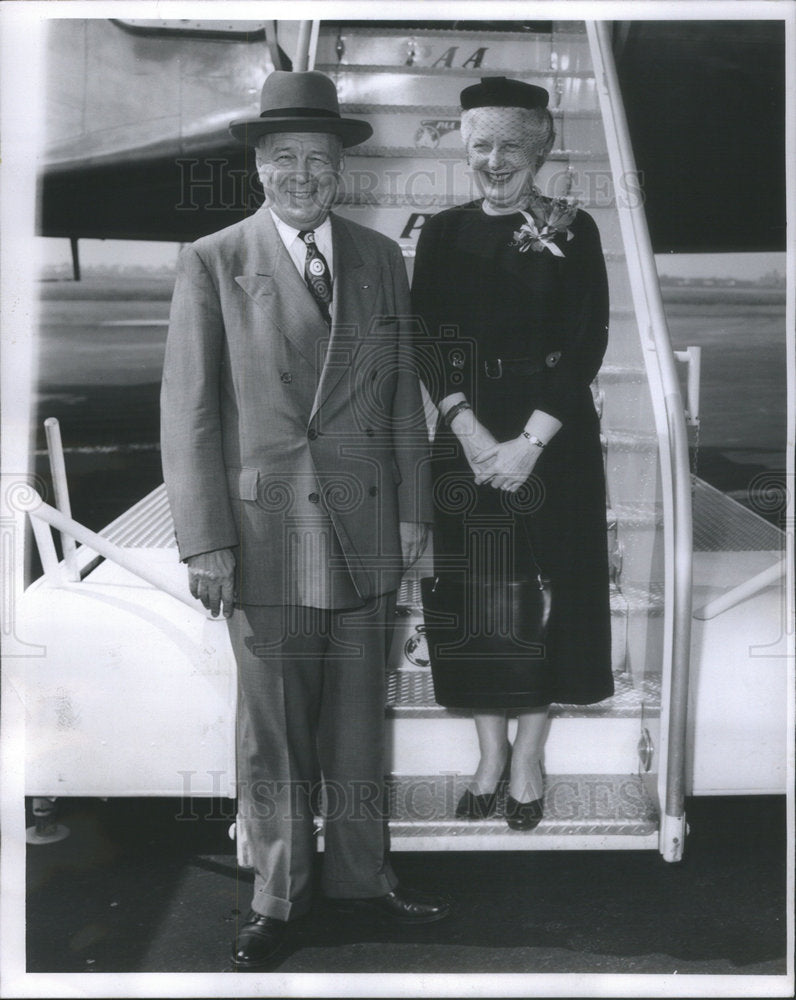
259	431
301	449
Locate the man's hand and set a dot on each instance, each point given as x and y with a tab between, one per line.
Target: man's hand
414	539
211	577
506	466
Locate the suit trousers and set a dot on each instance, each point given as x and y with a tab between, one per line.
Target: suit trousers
311	698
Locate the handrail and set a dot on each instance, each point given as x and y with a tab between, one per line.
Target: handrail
41	511
743	591
52	430
676	485
305	56
692	356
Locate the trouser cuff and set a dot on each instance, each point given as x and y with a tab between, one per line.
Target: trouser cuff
280	909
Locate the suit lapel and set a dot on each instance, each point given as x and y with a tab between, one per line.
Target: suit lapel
273	282
357	288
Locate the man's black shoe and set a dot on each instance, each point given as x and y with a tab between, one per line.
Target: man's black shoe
259	942
403	906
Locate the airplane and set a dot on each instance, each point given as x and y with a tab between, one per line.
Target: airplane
661	125
168	169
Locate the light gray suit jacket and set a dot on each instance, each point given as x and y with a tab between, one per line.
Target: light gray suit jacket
269	423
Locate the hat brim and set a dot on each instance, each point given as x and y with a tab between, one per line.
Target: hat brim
350	130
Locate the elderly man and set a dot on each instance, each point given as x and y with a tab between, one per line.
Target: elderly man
295	458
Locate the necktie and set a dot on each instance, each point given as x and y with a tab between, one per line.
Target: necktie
316	274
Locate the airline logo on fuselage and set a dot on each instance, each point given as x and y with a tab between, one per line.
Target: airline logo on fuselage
431	130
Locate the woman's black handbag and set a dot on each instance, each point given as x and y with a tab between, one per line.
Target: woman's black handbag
486	640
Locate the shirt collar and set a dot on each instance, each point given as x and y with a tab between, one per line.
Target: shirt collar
289	233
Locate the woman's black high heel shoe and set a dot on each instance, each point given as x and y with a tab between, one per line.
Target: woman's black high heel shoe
472	806
523	815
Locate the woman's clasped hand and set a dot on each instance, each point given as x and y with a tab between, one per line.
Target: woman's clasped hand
506	465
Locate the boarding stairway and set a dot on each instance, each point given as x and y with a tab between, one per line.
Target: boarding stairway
407	85
605	765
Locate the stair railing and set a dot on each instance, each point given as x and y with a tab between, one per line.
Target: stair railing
43	517
672	439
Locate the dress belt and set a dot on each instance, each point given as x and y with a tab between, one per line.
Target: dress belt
496	367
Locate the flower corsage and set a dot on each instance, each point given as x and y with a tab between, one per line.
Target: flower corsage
548	217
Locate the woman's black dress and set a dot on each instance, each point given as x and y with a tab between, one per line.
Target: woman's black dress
546	318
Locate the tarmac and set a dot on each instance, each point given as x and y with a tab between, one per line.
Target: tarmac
148	885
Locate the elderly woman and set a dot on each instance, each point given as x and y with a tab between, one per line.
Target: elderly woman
513	294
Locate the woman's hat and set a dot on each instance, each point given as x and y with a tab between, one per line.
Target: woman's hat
500	92
300	102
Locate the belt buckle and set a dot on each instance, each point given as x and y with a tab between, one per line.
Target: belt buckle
489	374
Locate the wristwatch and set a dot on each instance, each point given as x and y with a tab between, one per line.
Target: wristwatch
533	439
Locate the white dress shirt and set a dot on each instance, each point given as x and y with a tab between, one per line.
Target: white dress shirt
297	248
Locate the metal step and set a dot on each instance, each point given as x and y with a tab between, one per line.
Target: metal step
722	524
581	811
447	742
147	524
624	336
452	50
632	440
428	68
552	79
625	395
435	128
410	694
636	516
647	601
369	84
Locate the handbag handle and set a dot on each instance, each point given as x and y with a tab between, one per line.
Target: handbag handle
541	579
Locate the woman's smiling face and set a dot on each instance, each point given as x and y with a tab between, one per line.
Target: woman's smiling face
502	156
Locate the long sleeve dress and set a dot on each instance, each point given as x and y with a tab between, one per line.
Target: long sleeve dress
516	332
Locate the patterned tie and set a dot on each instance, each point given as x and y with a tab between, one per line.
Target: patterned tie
316	274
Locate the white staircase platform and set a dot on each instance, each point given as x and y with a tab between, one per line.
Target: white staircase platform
581	812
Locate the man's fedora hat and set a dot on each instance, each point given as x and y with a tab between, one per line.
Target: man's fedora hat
300	102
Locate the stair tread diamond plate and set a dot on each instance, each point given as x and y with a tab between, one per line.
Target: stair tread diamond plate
722	524
630	597
411	693
147	523
574	804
